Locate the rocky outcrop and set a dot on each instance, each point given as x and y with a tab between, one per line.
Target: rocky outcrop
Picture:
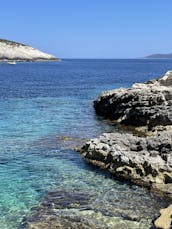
144	161
147	160
143	105
10	51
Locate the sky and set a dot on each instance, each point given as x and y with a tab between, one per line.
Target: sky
89	28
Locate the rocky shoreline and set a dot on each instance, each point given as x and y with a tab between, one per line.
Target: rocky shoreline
146	105
146	161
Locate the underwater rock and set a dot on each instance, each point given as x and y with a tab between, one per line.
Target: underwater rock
68	142
75	210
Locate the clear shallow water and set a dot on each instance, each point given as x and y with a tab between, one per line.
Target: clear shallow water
39	102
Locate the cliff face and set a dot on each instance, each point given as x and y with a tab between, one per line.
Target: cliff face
10	50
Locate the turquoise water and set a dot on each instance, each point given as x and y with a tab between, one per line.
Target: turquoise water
42	102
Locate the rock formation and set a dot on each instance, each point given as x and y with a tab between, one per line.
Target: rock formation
146	161
143	105
13	51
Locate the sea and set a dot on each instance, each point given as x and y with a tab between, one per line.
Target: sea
46	110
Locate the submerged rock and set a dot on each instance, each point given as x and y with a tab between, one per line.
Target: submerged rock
144	104
14	51
68	142
76	210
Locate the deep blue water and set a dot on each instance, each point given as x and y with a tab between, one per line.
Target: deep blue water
40	103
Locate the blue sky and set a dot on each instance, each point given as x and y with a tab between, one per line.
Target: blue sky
90	28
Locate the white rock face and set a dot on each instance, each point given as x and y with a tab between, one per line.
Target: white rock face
10	50
166	80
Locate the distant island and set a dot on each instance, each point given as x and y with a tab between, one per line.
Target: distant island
14	51
160	56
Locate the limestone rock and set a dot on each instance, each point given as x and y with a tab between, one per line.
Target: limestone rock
144	161
10	50
144	104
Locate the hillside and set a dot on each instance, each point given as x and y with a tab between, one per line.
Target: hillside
160	56
10	50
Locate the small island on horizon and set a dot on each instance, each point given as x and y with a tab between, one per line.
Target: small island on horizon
15	51
160	56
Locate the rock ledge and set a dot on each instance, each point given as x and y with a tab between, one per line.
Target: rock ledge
144	161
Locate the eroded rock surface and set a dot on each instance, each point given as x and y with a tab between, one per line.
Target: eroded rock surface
144	161
144	104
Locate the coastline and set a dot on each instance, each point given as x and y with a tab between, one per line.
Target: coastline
33	60
112	201
145	161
